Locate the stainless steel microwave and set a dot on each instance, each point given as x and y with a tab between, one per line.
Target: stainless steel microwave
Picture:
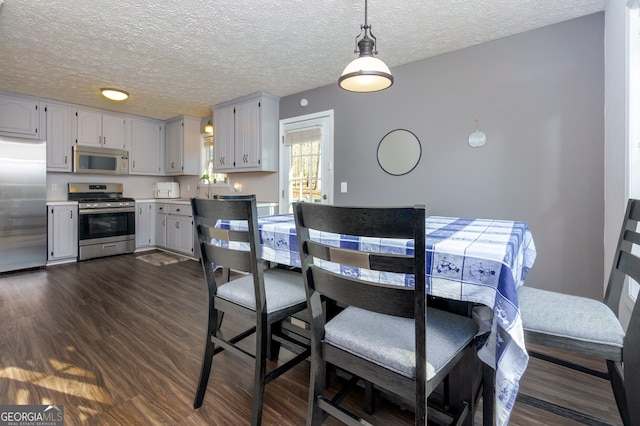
107	161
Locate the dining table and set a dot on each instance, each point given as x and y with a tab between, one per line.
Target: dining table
480	261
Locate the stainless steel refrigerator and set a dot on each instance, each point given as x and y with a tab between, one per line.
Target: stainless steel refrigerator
23	207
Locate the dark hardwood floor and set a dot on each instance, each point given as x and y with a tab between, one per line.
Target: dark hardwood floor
118	341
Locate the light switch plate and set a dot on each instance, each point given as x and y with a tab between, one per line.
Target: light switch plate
343	186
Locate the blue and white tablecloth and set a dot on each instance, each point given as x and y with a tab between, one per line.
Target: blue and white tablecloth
474	260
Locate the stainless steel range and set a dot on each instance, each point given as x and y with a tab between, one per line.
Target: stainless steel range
106	219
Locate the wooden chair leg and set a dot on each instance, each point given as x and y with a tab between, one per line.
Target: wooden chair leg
262	343
205	370
369	398
617	385
273	346
318	377
459	390
488	395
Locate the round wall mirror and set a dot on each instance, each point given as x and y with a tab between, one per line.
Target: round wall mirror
399	152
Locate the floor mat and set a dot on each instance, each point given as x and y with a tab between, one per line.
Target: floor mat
161	259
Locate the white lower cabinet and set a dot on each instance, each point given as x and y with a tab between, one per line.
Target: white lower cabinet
145	226
180	228
62	232
161	225
174	227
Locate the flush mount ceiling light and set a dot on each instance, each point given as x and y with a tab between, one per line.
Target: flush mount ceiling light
366	73
114	94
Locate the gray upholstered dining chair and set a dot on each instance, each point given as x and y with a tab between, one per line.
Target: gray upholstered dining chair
385	334
590	327
265	296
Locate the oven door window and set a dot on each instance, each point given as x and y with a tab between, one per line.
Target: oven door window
102	225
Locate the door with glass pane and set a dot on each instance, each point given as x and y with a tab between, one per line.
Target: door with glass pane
306	160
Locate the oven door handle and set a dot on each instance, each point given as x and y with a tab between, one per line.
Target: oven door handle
108	210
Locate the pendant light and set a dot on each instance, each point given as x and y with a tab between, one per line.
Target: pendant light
366	73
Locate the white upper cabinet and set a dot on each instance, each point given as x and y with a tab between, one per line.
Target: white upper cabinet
147	147
59	136
19	117
223	138
182	140
103	130
246	134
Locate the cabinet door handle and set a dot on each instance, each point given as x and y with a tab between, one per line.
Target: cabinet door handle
177	225
65	159
71	214
104	140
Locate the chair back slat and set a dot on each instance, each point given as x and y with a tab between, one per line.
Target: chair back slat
228	234
634	210
632	237
229	258
385	299
361	221
388	262
629	264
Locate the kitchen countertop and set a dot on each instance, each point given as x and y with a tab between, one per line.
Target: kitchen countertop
188	201
61	203
165	200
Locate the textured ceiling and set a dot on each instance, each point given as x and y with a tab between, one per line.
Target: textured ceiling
182	56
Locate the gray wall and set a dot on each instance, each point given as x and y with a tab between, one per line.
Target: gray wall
539	98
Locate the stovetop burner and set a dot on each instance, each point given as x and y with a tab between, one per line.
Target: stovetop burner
104	199
98	195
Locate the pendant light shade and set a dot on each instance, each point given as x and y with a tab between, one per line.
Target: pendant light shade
366	73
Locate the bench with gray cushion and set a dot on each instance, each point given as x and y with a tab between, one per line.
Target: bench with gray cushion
591	327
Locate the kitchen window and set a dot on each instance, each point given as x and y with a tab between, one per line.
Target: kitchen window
215	179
